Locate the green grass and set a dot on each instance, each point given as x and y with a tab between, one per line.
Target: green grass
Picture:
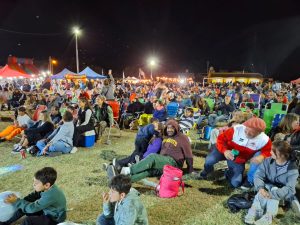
83	182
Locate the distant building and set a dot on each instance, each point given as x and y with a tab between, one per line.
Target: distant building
237	76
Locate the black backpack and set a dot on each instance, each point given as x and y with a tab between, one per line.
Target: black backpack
240	201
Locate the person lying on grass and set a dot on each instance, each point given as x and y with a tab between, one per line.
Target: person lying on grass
275	180
122	204
175	149
46	205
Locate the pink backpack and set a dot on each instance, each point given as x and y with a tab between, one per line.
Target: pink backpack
170	182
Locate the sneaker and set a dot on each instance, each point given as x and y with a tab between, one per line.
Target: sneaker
125	170
117	166
264	220
111	172
16	146
253	215
17	150
74	149
296	207
246	185
202	175
104	166
137	158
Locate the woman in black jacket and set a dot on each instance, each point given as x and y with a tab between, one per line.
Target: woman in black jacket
85	120
38	131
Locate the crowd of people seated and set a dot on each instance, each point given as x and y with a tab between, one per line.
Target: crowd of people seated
166	114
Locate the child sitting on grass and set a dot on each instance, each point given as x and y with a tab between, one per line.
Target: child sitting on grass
122	204
275	180
45	206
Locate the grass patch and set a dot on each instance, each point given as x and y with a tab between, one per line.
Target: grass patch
83	181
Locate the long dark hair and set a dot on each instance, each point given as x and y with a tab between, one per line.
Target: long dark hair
86	103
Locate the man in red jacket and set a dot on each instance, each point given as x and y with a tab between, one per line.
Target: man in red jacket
175	149
237	145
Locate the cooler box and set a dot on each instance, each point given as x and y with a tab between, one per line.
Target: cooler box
89	138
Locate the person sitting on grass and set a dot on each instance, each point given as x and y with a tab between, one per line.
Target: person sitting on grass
275	180
85	120
35	133
103	115
122	204
175	150
155	143
60	140
45	206
22	122
249	142
186	121
55	115
141	143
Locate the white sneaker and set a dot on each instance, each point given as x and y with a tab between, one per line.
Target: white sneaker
296	207
265	220
74	149
16	145
125	171
253	215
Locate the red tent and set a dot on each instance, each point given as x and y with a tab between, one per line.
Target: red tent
7	72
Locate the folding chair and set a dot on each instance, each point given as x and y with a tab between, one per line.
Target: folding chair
116	111
271	110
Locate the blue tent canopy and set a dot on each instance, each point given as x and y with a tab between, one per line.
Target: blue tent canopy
62	74
90	74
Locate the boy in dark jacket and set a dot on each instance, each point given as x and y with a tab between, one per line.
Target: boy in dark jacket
46	205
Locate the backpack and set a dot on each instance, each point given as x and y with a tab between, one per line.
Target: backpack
237	202
170	182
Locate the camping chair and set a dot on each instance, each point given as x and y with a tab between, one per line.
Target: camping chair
211	103
256	110
277	119
37	112
271	109
116	111
255	98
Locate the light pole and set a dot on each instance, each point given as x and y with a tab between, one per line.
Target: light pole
77	32
152	64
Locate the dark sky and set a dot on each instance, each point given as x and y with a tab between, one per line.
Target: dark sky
261	36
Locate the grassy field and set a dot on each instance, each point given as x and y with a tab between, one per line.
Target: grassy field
83	181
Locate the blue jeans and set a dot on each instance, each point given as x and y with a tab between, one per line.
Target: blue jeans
102	220
252	169
213	119
235	171
58	146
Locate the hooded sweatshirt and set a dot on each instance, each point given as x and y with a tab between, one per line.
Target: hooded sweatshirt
178	147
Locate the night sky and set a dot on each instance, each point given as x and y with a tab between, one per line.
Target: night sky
259	36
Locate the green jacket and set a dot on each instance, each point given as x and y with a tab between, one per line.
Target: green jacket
130	211
51	202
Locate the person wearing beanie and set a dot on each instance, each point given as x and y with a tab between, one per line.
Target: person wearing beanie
237	145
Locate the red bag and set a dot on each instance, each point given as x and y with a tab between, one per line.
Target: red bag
170	182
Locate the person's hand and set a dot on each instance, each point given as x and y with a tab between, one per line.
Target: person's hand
45	150
10	199
105	197
228	155
264	193
257	160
